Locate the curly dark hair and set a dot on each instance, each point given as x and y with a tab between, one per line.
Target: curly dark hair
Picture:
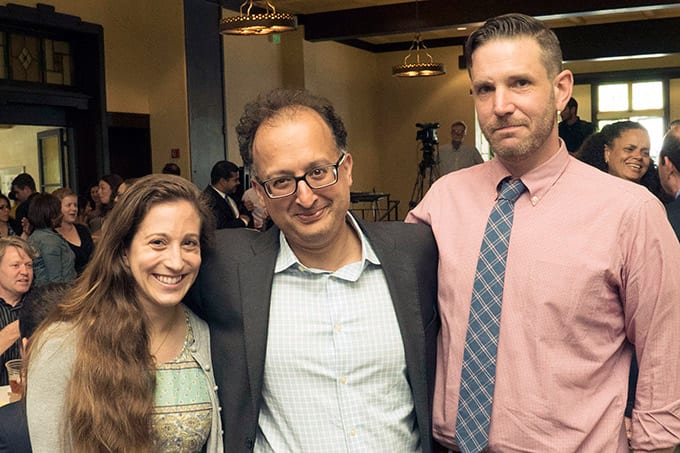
591	152
270	106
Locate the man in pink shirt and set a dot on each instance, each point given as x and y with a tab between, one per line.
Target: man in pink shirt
591	270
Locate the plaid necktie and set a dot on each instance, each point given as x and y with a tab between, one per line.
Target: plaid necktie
481	341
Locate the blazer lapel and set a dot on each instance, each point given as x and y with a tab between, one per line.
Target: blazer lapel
403	285
256	275
401	280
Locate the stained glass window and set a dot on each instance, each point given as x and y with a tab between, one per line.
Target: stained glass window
57	62
25	58
28	58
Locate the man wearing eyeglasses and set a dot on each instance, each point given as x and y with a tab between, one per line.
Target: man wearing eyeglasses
324	327
457	154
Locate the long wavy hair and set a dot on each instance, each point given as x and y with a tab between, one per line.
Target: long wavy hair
110	396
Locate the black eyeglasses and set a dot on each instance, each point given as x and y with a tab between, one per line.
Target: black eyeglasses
316	178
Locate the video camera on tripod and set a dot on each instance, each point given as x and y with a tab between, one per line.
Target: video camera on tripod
427	135
428	170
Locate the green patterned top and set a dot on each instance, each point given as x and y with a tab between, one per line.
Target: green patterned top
182	414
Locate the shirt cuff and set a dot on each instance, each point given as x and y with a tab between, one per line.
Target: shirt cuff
656	429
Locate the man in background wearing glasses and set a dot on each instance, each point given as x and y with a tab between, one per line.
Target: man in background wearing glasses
324	327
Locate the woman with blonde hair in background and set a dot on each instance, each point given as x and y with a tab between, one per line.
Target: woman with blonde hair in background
77	236
121	365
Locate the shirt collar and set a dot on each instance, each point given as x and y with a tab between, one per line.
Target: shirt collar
677	194
286	257
12	308
224	195
539	180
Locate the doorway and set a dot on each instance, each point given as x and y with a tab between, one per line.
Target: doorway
53	160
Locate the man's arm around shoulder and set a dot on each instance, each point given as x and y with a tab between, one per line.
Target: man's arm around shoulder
8	336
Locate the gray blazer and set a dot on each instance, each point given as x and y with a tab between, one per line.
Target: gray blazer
233	293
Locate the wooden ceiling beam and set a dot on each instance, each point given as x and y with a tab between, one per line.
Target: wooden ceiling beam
620	39
587	42
438	14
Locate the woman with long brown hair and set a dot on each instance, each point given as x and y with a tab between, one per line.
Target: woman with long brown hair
122	365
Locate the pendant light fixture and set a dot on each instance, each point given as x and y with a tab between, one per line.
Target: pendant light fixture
249	23
418	68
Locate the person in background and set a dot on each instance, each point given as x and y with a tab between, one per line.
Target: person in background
669	173
674	126
8	226
258	211
35	306
92	208
171	168
122	364
55	261
622	149
457	154
16	277
108	188
323	326
23	189
77	236
228	212
543	302
125	185
572	129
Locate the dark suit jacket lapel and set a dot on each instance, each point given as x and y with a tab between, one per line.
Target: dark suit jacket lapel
403	285
255	277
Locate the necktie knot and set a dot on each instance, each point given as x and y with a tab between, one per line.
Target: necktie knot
511	189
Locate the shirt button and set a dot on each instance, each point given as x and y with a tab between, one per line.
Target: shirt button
194	349
206	367
219	409
215	388
338	328
343	379
534	200
353	433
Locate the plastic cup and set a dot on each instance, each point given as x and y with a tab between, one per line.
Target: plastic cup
14	375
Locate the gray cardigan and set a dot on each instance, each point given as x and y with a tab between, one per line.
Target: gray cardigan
50	371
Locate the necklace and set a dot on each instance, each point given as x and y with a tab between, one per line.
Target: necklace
167	334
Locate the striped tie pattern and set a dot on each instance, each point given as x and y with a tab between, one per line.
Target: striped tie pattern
481	341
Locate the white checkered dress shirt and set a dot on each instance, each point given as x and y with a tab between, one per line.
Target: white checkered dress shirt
335	371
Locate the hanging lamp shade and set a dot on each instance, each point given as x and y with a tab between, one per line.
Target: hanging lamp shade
249	23
418	68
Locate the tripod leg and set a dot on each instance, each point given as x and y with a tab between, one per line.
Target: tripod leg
417	193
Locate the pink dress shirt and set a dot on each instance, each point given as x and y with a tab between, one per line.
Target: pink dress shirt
593	266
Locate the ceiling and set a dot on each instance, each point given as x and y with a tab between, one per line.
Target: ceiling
586	29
